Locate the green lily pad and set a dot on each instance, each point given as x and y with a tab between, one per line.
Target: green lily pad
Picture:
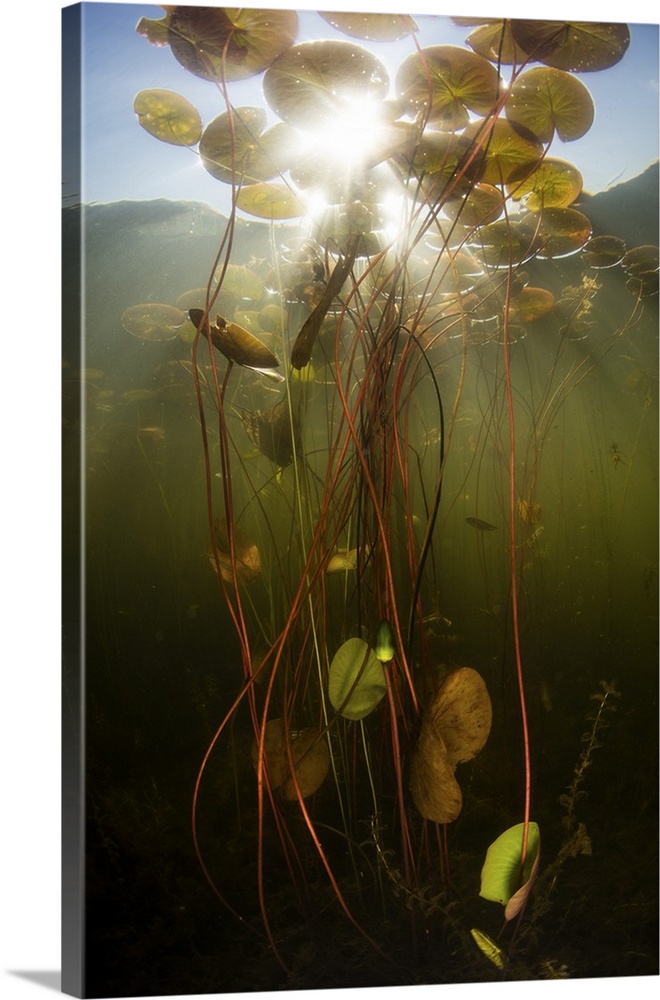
168	116
356	682
502	874
235	41
371	27
445	82
270	201
240	142
504	149
576	46
552	184
318	80
546	100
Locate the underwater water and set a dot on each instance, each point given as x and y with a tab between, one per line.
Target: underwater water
369	545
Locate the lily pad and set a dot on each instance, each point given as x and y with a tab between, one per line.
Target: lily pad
168	116
504	149
444	83
559	232
153	321
546	100
240	142
576	46
371	27
552	184
530	304
503	874
604	251
313	81
306	749
435	791
236	42
493	40
356	681
271	201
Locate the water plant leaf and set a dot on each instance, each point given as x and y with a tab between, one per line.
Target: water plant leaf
558	232
546	100
435	791
153	321
454	728
275	432
576	46
503	874
504	149
313	81
246	563
371	27
482	205
444	82
492	951
462	713
530	304
238	42
493	40
552	184
240	141
384	648
271	201
306	749
502	243
356	681
604	251
168	116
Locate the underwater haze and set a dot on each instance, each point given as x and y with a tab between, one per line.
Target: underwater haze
360	464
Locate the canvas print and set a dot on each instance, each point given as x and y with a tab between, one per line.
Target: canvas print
360	442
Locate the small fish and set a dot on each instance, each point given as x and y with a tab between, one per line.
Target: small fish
476	522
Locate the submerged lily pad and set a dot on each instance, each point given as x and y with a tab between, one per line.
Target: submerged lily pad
306	749
168	116
153	321
576	46
445	82
356	681
315	80
604	251
503	874
530	304
547	100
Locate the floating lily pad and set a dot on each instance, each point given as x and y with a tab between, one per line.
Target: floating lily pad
168	116
493	40
604	251
371	27
482	205
271	201
356	681
503	243
558	232
235	41
504	149
547	100
445	82
240	142
314	81
153	321
551	184
576	46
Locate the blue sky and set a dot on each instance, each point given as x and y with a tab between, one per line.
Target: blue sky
123	161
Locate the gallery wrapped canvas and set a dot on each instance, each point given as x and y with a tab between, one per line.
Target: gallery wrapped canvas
360	421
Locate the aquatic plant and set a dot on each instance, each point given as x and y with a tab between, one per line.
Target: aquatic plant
410	319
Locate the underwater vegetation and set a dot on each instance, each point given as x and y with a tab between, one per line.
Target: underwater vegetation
416	523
